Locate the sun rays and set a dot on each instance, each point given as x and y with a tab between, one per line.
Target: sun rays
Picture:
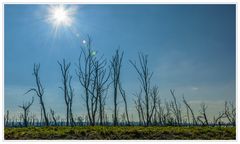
61	16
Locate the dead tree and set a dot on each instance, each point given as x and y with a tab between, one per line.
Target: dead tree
189	108
168	119
85	72
203	117
39	91
66	90
71	94
100	78
188	117
25	108
102	103
217	121
96	89
116	64
53	116
145	80
123	93
160	112
230	113
139	107
138	111
175	108
153	102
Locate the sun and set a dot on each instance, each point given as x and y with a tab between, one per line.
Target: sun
60	15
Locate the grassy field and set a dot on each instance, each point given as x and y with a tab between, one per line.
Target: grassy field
121	133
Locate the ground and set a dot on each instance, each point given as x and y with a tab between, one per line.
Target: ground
121	133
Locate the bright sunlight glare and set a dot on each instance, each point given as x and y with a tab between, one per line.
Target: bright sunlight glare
60	15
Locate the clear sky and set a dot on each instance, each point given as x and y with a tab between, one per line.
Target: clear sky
191	48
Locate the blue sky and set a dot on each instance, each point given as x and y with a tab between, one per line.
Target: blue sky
191	48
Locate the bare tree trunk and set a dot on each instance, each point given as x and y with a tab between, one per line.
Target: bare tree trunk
93	77
53	117
168	119
84	72
65	80
203	114
115	116
153	103
217	120
139	108
188	107
175	108
230	113
71	94
100	77
188	118
125	102
39	91
25	108
139	113
116	63
44	112
145	80
41	117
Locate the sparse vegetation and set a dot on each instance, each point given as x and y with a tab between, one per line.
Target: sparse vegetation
121	132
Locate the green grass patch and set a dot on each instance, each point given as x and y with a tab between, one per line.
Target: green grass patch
121	133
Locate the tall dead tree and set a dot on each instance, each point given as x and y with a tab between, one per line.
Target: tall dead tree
123	93
96	89
39	91
189	108
139	107
168	119
66	79
100	78
116	64
154	99
138	111
145	80
203	117
230	112
71	94
85	71
25	108
175	108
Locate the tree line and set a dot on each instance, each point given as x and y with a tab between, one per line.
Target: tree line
95	78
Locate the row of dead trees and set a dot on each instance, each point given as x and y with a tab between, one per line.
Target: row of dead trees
163	116
151	112
95	77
